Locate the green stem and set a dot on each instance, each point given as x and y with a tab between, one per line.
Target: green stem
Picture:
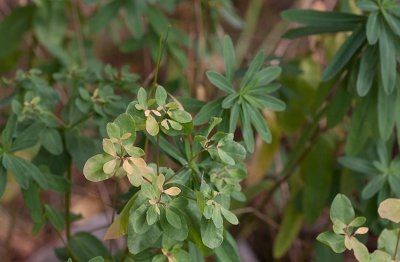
185	166
250	23
158	153
300	151
83	119
114	204
68	204
161	46
397	247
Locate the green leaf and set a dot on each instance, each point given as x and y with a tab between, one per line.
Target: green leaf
93	169
33	201
387	61
172	232
8	131
27	138
230	101
134	19
228	251
161	95
373	186
139	242
344	54
126	124
220	82
217	217
19	20
84	246
55	217
50	23
113	130
80	147
104	16
342	209
254	67
171	151
387	241
96	259
373	28
288	231
394	183
235	150
317	169
335	242
246	129
268	102
138	218
229	216
267	75
120	225
366	74
358	221
367	5
323	18
380	256
311	30
234	117
173	218
142	96
152	126
338	107
357	164
260	124
362	119
393	22
211	235
209	110
23	170
3	180
151	215
360	251
52	141
225	157
229	58
386	113
181	116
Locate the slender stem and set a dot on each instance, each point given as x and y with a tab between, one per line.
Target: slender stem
146	149
158	153
83	119
397	247
185	166
251	19
68	204
77	24
114	204
161	47
301	150
57	119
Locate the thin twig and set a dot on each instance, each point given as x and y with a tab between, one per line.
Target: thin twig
258	214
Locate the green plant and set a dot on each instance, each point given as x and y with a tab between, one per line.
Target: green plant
346	227
172	210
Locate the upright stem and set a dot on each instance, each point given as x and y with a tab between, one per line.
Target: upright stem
158	154
77	25
397	247
114	204
253	12
68	204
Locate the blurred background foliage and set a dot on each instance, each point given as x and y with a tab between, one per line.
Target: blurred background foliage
99	52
